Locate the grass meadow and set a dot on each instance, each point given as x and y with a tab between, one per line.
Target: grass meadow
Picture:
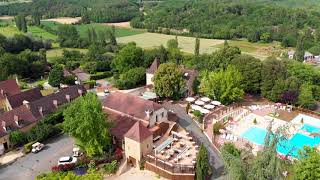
150	40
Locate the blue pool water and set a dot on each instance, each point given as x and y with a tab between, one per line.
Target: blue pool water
310	129
293	145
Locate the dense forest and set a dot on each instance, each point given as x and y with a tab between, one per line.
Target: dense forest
254	19
96	10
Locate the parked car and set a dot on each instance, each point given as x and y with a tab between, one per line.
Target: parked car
67	160
36	147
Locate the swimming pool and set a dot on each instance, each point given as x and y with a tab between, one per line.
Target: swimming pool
310	129
293	145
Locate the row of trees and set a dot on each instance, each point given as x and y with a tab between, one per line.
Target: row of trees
96	10
20	42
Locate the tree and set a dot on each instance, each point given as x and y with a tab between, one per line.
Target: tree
36	17
21	23
272	71
307	167
172	44
128	57
68	36
306	98
202	164
250	68
224	85
86	122
222	58
168	81
197	47
299	54
266	37
132	78
56	76
17	138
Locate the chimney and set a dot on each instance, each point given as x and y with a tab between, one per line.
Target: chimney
16	119
4	125
55	103
80	92
68	97
41	111
2	92
26	103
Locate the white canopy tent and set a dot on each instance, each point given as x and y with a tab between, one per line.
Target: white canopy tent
190	99
209	106
200	103
216	103
205	99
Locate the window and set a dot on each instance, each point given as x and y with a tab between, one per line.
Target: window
147	145
156	118
162	114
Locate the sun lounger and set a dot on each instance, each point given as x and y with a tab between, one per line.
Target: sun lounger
227	137
231	137
235	138
223	136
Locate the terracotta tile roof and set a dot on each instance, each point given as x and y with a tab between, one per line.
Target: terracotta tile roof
45	105
130	105
121	124
9	88
30	95
81	75
154	66
8	119
138	132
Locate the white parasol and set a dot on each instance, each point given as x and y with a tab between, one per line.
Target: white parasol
200	103
217	103
190	99
204	111
208	106
196	107
205	99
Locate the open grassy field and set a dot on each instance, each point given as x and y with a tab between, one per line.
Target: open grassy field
83	28
149	40
57	52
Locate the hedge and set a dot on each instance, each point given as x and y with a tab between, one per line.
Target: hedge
101	75
27	147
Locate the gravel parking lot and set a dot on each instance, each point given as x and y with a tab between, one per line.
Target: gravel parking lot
29	166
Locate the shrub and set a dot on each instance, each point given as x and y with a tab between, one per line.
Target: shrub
69	80
27	147
92	165
216	127
112	167
255	121
197	113
142	162
54	118
101	75
17	138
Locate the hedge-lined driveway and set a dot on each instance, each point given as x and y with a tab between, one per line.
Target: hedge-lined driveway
29	166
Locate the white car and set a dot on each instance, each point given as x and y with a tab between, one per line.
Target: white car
36	147
67	160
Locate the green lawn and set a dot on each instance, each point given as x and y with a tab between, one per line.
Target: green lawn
9	31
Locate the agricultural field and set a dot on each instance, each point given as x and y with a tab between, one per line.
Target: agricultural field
7	28
149	40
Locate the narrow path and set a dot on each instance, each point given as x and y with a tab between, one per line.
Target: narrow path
188	124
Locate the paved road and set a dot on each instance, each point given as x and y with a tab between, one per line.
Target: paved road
29	166
187	123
